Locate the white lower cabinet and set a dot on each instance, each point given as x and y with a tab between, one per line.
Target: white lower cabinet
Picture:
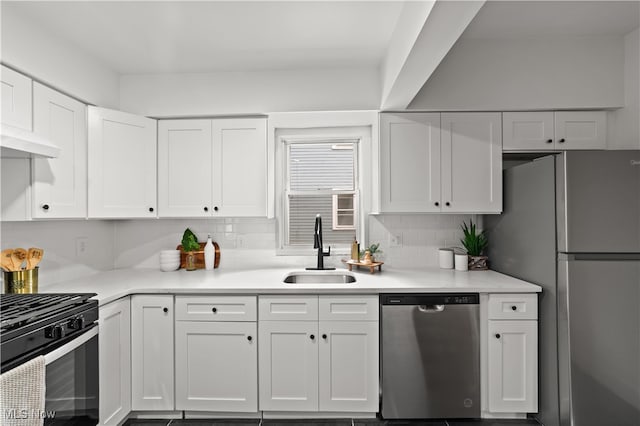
216	366
115	361
512	371
348	366
320	363
152	351
288	365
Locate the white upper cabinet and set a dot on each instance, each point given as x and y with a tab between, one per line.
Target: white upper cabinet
472	162
184	168
549	131
240	167
60	184
432	163
212	167
581	129
16	99
122	165
410	162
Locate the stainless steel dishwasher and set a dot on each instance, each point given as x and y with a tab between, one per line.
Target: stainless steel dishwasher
430	356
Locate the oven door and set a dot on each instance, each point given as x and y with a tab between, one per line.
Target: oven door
72	381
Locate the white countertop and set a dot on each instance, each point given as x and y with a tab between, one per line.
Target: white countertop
118	283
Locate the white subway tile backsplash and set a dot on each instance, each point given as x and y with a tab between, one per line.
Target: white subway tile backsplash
422	236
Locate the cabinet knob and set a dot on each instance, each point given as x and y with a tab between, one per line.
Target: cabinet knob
324	336
437	204
214	310
249	338
215	208
165	310
312	337
549	140
497	335
561	140
447	204
206	209
45	207
514	308
151	209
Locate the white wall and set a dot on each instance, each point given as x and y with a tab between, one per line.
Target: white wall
512	74
623	125
34	51
61	261
162	95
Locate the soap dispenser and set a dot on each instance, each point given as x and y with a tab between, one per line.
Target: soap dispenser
209	254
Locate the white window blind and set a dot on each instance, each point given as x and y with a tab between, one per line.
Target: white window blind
321	179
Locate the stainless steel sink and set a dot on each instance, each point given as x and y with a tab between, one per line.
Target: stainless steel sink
319	277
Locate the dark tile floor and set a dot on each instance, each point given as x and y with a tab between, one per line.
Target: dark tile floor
328	422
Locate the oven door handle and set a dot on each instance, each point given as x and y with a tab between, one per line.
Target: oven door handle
71	346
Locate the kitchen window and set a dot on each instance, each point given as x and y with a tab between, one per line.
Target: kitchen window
321	177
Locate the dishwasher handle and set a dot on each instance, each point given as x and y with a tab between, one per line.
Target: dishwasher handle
430	309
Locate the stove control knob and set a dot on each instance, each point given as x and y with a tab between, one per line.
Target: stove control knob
55	332
76	323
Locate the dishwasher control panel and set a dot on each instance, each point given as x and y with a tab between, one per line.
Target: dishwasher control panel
430	299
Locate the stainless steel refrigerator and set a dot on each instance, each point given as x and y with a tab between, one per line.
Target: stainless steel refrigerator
571	224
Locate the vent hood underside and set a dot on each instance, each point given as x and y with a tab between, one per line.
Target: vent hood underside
17	143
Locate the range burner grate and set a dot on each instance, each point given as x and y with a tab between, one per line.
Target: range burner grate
17	310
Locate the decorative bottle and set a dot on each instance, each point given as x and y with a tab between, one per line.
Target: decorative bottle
209	254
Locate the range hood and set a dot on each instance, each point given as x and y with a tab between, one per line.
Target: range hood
17	143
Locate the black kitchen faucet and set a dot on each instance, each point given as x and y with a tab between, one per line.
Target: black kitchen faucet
317	244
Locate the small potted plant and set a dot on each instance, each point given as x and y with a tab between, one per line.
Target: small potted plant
474	243
190	245
373	249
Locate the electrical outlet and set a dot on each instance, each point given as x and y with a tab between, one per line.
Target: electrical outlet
82	247
395	240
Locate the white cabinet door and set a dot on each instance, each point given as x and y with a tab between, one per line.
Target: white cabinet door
528	131
122	165
581	129
60	184
288	365
348	366
16	99
184	168
152	352
472	162
240	167
410	162
216	366
513	366
115	362
16	189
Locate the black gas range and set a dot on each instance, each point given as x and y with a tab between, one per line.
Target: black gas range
64	329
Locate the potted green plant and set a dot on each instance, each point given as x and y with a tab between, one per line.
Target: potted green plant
190	245
475	243
373	249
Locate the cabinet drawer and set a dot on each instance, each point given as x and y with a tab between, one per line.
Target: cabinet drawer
288	308
513	306
215	308
348	308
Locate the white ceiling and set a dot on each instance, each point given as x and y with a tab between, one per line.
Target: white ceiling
513	19
132	37
183	36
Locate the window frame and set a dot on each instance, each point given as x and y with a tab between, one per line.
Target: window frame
284	246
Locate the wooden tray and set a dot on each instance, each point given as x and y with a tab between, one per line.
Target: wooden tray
372	266
199	256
